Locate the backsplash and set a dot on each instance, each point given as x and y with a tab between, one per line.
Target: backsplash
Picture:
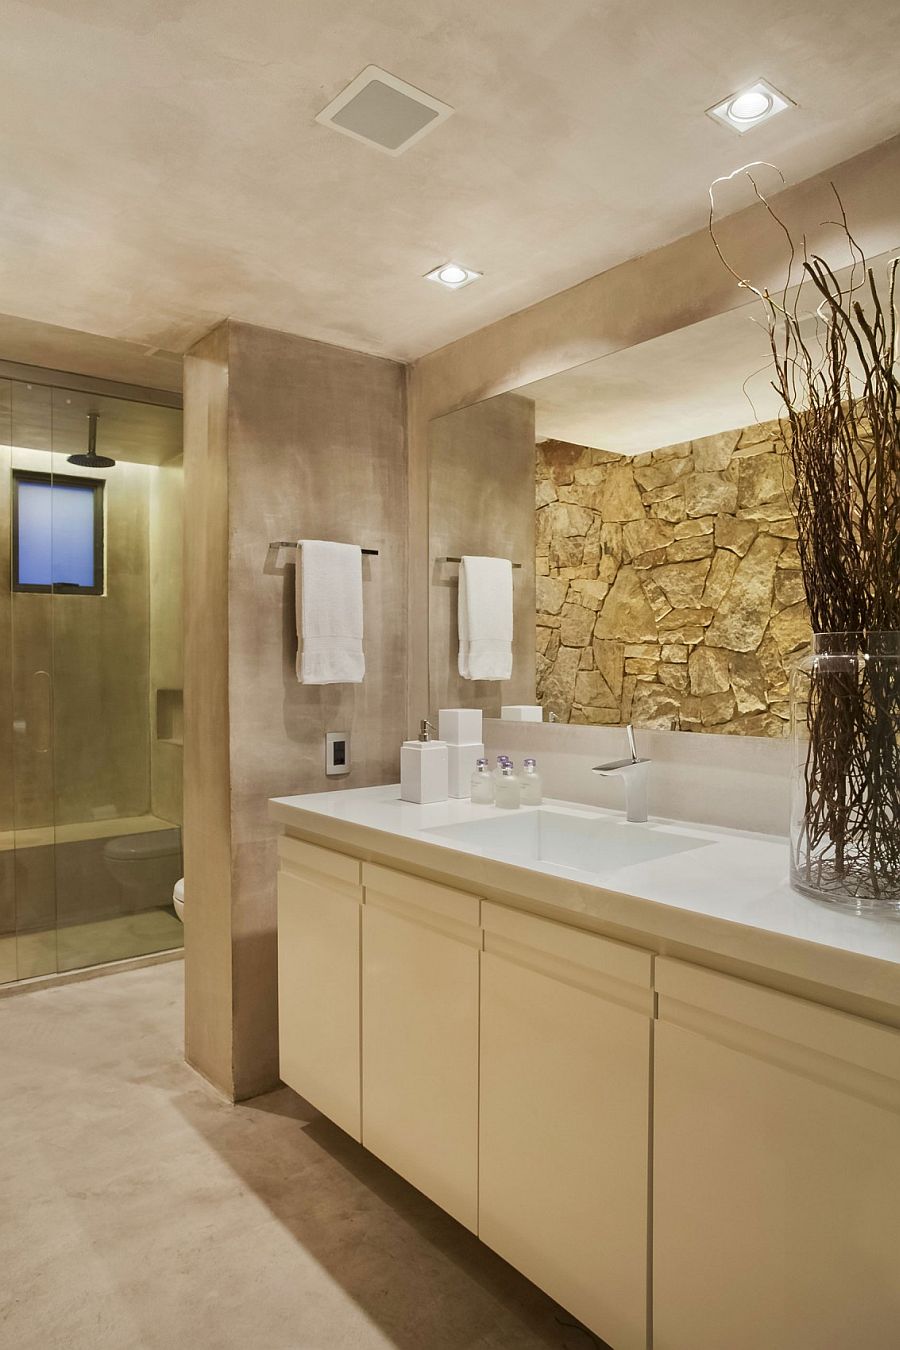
669	590
735	784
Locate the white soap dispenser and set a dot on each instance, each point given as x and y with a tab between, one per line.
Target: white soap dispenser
424	768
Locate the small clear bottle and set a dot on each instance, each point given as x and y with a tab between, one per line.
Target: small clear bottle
481	788
497	771
507	791
530	783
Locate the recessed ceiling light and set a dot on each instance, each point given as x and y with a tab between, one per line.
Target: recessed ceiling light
749	107
452	275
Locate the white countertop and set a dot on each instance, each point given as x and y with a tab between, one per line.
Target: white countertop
729	898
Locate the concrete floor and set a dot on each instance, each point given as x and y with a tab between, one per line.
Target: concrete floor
140	1210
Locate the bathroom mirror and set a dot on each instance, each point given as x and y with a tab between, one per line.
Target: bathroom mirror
647	497
481	501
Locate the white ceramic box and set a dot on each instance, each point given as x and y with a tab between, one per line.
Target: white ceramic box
460	726
522	712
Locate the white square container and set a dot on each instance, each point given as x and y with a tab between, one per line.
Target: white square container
460	726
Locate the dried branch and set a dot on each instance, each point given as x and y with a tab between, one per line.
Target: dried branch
841	431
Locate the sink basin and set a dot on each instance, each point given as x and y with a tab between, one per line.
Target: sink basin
592	844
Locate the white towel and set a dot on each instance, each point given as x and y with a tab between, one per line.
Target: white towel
485	618
329	613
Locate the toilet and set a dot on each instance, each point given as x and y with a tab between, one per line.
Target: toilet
178	898
146	865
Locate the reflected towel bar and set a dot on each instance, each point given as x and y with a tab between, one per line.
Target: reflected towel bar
292	543
460	560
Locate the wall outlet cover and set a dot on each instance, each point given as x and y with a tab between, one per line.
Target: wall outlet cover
337	753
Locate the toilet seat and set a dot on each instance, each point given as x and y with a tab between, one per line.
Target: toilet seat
178	898
145	865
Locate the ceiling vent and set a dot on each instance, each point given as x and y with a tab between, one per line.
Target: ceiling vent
383	111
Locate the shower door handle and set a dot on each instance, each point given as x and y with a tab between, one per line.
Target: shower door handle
43	711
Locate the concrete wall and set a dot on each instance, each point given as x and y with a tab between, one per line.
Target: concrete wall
659	292
481	501
101	655
207	763
284	438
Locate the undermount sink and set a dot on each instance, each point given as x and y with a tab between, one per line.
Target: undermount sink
563	839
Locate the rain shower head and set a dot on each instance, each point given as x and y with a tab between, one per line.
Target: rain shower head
92	460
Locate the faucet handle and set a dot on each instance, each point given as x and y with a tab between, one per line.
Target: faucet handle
629	731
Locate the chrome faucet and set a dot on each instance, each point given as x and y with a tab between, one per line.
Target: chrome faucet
633	773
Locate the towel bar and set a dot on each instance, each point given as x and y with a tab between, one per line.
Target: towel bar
456	560
292	543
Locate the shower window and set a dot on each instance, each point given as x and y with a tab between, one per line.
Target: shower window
57	533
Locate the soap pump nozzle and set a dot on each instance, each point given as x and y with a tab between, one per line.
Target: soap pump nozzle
425	730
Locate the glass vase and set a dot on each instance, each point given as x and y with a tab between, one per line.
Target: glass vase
845	797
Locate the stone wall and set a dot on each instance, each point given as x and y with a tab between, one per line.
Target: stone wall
668	584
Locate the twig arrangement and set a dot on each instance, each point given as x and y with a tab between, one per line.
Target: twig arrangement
837	374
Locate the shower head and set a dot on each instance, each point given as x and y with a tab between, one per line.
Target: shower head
92	460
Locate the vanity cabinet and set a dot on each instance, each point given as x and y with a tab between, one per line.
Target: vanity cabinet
420	959
566	1020
776	1170
623	1128
319	902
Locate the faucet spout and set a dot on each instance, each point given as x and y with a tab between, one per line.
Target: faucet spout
633	772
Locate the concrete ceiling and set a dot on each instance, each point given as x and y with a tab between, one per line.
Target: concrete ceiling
162	169
696	381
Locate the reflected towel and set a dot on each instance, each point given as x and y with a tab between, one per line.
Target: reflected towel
485	618
329	613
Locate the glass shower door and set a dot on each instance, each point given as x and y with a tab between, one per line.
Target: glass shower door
8	964
28	823
90	685
108	847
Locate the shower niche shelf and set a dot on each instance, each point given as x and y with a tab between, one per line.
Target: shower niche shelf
170	716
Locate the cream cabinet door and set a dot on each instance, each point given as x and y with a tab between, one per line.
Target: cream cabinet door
420	1035
565	1116
319	901
776	1171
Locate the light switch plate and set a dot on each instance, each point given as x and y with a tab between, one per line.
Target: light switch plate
337	753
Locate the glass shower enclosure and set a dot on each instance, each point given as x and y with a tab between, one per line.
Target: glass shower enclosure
90	674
